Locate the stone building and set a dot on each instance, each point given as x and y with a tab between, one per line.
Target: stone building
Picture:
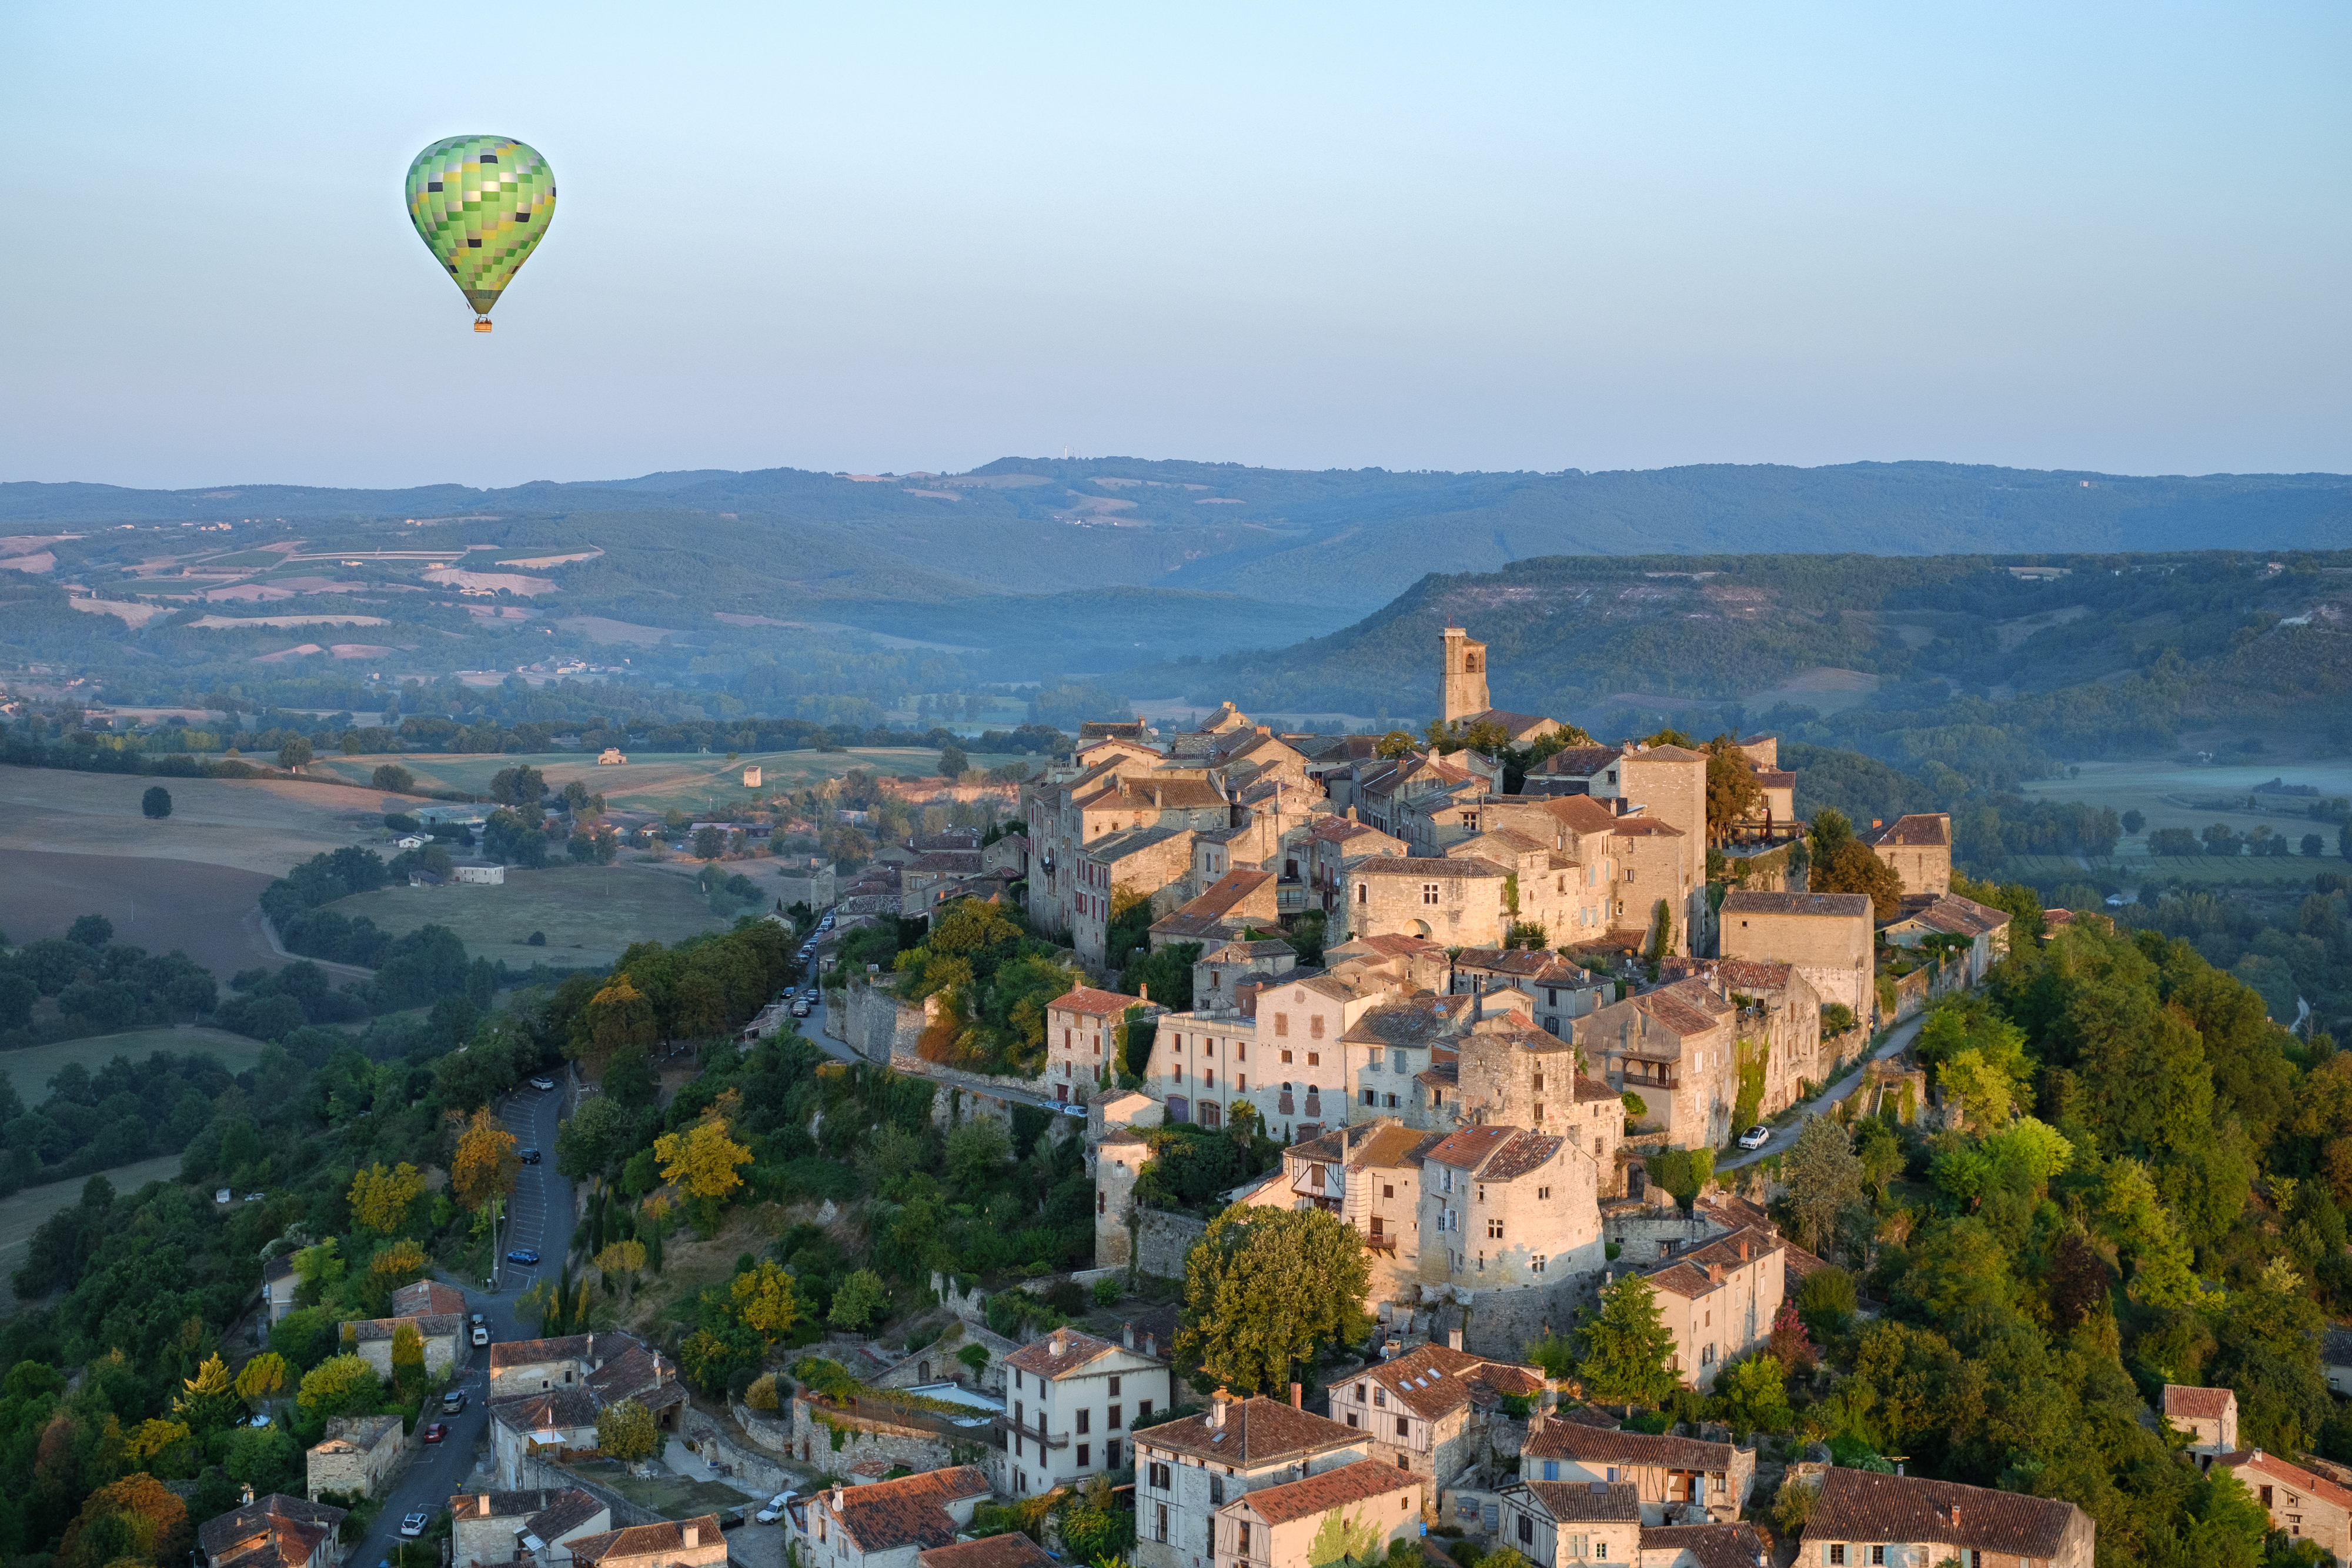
1330	842
1777	1011
1074	1399
1188	1469
273	1531
1500	1209
1434	1411
493	1529
1388	1046
354	1457
1703	1546
1827	936
1720	1301
1361	1509
1674	1479
1367	1173
1234	902
1453	902
1563	1524
1865	1520
1148	864
2208	1415
1552	990
1674	1047
2305	1505
1082	1041
1462	688
668	1543
885	1525
435	1311
1925	917
1920	847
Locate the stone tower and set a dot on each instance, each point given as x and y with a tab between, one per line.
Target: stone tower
1464	691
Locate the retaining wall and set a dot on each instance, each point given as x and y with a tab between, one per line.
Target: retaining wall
1163	1239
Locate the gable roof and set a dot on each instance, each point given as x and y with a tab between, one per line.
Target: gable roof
1863	1505
2277	1471
1358	1482
427	1297
1709	1545
882	1516
1416	1021
534	1352
1257	1431
273	1527
1434	1379
1929	830
1568	1438
1956	916
1435	868
1587	1502
1580	761
1010	1550
664	1539
1834	906
1061	1353
2198	1404
1087	1002
1750	977
1688	1274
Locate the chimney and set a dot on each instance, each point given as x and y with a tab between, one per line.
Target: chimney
1535	1418
1151	1345
485	1510
1217	1408
1144	989
1453	1339
1352	813
1297	1397
1061	1344
249	1494
836	1500
1126	1335
1155	797
692	1534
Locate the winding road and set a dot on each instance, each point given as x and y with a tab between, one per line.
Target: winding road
1782	1137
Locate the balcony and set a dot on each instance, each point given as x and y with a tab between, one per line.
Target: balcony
1290	900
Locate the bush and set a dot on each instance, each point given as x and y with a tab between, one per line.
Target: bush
1107	1291
156	803
1069	1298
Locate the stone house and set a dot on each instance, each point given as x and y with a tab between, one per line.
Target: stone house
1865	1520
1389	1045
932	878
273	1531
1356	1511
1082	1040
1331	842
1290	1021
1147	862
1568	1524
525	1427
1453	902
1703	1546
279	1284
1674	1479
354	1457
1074	1399
1674	1047
492	1528
1720	1301
1984	928
1529	1079
1434	1411
443	1334
544	1393
1368	1175
1776	1010
2208	1415
679	1543
1827	936
1498	1208
1654	861
1187	1469
1556	992
1920	847
1235	902
1221	971
2307	1507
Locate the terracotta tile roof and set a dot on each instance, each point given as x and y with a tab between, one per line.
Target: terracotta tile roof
1840	905
570	1509
1358	1482
1592	1089
1228	892
440	1325
1957	917
509	1353
1061	1353
1930	829
1749	977
946	863
1687	1275
2198	1404
1010	1550
1587	1502
1709	1545
1774	777
1527	1151
1339	829
1389	1147
1257	1431
1863	1505
1572	1439
526	1504
426	1297
1432	1380
550	1409
1645	827
1413	1022
1471	1147
1591	1415
1112	848
271	1528
663	1542
1087	1002
1683	1009
2277	1471
1580	761
1522	963
1581	813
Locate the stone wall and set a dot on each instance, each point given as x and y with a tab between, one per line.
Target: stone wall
1503	1323
1163	1239
864	1437
533	1474
875	1024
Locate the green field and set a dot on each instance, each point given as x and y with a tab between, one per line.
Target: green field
31	1069
658	781
2113	871
590	913
2165	791
22	1213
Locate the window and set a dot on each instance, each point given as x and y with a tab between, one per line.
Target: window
1351	1418
1493	1230
1396	1060
1370	1098
1314	1059
1360	1394
1241	1537
1160	1482
1083	1417
1285	1056
1404	1426
1391	1101
1878	1557
1572	1546
1282	1023
1114	1393
1538	1265
1143	1410
1241	1083
1159	1518
1217	1491
1543	1195
1084	1451
1539	1085
1834	1555
1526	1531
1601	1552
1314	1026
1380	1397
1551	1470
1241	1051
1111	1416
1428	889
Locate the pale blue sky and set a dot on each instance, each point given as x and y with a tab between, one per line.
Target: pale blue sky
896	237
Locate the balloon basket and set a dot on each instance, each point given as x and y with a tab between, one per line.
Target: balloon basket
482	324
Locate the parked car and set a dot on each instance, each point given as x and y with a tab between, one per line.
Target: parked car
453	1402
413	1525
1077	1111
799	1010
542	1083
529	1156
524	1255
1756	1137
260	1420
438	1432
775	1508
481	1332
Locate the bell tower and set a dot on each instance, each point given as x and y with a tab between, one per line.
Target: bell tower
1464	693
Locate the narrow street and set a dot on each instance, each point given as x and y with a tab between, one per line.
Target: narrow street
538	1217
1782	1137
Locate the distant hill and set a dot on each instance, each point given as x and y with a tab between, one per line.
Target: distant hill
1345	541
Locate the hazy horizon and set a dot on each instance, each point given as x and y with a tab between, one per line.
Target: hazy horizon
1522	239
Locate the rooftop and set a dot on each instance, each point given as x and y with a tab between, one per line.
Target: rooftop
1924	829
1087	1002
1863	1505
1010	1550
1588	1503
1567	1438
1839	905
1358	1482
1256	1431
1061	1353
663	1541
2198	1404
883	1516
1711	1545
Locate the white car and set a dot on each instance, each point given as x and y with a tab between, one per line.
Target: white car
1756	1137
413	1525
775	1508
481	1332
542	1083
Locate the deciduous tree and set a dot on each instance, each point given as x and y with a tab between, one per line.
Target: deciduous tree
486	1164
380	1197
261	1379
626	1431
702	1159
1268	1289
338	1386
1732	792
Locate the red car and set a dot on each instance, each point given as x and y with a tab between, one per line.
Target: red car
436	1432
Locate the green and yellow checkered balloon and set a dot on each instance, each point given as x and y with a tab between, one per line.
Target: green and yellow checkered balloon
481	203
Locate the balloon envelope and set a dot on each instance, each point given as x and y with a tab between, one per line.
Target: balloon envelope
481	203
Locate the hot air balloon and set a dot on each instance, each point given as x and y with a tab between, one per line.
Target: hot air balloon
481	203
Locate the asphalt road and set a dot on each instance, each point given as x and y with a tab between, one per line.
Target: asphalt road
539	1218
1783	1137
